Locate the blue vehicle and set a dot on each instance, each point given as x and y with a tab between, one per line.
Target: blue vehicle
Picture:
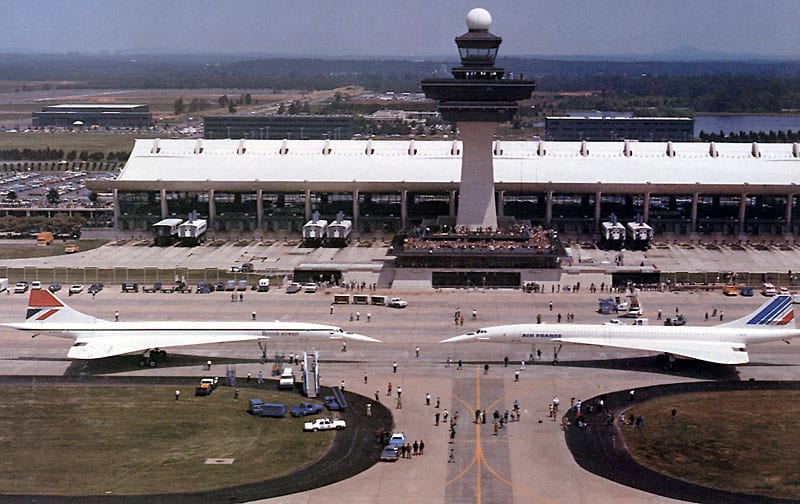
306	408
389	453
260	408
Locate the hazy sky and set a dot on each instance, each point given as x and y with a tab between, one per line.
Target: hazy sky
409	28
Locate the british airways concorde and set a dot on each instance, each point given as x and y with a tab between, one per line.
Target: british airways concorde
97	338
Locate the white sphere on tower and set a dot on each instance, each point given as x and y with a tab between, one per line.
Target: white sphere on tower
479	19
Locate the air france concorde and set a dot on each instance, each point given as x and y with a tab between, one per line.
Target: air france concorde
722	344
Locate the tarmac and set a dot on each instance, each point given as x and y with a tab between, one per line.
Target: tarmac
528	461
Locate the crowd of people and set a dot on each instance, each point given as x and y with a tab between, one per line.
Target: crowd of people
518	238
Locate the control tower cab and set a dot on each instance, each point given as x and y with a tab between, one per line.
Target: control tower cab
477	99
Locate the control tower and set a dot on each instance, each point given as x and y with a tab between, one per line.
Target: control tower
478	98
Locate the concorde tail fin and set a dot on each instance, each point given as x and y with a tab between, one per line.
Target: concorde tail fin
46	307
776	312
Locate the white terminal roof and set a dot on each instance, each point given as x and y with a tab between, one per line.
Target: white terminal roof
524	166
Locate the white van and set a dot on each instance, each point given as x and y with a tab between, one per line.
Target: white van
287	379
263	285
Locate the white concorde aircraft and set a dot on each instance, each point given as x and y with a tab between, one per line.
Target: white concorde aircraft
722	344
97	338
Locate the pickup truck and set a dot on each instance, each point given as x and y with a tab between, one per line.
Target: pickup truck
324	424
206	387
306	408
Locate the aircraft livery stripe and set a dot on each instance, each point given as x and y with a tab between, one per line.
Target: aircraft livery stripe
47	314
774	311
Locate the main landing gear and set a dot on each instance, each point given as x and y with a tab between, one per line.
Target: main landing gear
151	357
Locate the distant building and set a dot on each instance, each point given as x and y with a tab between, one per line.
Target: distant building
405	116
295	127
87	115
609	129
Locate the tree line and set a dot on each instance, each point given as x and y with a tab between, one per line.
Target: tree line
48	154
751	136
693	86
59	224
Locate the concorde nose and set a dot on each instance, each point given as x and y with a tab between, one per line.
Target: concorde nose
359	337
461	337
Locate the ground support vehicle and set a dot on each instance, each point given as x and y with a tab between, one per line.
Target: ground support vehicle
258	407
206	387
324	424
305	408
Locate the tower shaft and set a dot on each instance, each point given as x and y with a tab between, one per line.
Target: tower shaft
476	202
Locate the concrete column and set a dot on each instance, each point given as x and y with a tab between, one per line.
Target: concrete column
695	200
116	210
646	211
307	202
403	208
788	215
548	213
355	210
501	202
476	191
212	209
453	200
742	212
260	209
597	210
164	208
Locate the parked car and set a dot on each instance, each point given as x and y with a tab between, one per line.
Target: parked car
55	287
768	290
36	285
746	291
95	288
293	288
21	288
390	453
677	320
204	288
130	287
730	290
310	288
397	303
397	439
241	285
306	408
75	289
230	285
324	424
155	288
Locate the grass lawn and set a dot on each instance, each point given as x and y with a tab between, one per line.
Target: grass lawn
95	440
742	441
90	142
28	248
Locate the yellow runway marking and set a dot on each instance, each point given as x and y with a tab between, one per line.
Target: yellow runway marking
479	459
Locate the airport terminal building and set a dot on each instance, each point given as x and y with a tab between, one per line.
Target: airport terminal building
276	185
86	115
